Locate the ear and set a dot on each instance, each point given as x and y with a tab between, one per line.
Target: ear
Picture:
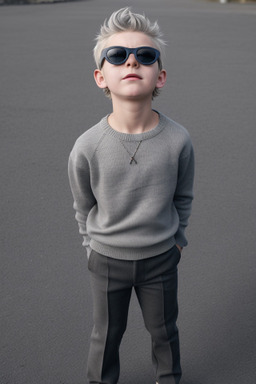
161	79
99	79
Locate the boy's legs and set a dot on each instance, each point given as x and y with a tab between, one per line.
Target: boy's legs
111	283
157	295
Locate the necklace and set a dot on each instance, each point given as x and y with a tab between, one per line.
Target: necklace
132	156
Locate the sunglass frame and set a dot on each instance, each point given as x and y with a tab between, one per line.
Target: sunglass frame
128	51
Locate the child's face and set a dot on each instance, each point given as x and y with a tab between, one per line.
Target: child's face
130	80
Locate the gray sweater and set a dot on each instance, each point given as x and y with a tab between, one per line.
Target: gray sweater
132	192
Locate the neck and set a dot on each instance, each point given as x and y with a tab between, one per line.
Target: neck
133	118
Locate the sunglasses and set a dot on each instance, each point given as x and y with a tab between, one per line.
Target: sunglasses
119	55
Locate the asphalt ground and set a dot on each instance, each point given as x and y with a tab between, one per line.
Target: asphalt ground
48	98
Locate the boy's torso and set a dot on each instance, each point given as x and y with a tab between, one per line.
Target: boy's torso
133	179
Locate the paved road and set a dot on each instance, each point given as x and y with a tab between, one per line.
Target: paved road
48	98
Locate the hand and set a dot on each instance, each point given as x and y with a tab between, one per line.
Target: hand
179	247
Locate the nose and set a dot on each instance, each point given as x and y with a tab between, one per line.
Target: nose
131	61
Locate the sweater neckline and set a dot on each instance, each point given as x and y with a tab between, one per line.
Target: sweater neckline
133	136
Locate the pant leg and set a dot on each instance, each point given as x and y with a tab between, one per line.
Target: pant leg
111	291
157	295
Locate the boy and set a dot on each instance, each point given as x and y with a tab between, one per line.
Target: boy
131	176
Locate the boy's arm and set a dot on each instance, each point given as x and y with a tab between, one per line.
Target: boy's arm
184	193
84	200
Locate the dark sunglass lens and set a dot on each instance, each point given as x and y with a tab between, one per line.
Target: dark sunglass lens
146	55
116	55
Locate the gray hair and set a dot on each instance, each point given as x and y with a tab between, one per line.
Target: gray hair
125	20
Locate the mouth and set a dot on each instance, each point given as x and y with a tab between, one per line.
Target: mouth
132	76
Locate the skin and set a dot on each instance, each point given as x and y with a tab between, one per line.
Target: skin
131	85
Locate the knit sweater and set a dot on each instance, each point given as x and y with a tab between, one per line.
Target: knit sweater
132	192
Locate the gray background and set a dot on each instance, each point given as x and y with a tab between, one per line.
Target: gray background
48	98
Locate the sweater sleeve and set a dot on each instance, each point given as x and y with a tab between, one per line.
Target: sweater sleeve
184	192
84	200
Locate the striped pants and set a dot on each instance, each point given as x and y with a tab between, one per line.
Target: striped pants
155	283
